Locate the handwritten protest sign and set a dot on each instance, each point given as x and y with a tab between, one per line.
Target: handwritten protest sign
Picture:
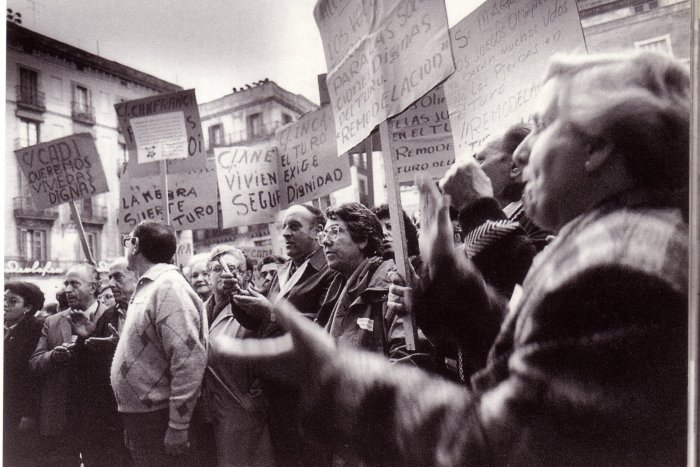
501	50
421	138
62	170
257	253
309	166
192	199
248	185
153	130
381	57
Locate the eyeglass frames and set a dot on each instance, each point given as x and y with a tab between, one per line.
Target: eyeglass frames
127	239
218	269
332	233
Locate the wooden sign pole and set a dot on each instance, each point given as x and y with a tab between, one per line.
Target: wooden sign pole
398	229
166	200
81	232
694	250
164	187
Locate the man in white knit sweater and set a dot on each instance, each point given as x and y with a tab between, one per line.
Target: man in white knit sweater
160	358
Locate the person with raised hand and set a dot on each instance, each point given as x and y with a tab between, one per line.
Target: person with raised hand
79	415
589	366
234	392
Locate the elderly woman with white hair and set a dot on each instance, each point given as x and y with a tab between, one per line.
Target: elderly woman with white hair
589	366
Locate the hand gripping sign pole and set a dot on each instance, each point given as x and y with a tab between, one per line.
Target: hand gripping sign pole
398	229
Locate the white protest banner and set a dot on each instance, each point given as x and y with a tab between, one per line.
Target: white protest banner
62	170
381	55
155	125
501	51
421	138
191	199
309	166
248	185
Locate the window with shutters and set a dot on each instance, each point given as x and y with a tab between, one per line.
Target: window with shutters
83	111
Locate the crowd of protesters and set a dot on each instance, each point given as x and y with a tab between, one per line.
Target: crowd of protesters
548	282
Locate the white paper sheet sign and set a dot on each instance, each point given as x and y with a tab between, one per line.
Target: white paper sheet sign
148	110
381	55
501	51
160	137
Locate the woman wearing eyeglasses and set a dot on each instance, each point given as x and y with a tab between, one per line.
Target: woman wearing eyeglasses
233	390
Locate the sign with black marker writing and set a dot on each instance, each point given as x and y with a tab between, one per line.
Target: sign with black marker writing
192	200
421	138
248	185
309	166
501	51
62	170
162	127
381	57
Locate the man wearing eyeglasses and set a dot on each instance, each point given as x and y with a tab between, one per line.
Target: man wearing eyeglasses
160	358
234	392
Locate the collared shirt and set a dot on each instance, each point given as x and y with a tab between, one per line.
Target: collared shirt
308	293
122	317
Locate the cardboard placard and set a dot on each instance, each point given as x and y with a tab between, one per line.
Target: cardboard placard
62	170
308	164
192	199
381	57
157	123
248	183
501	51
421	137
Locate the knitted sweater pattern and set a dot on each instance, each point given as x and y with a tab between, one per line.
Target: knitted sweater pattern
160	358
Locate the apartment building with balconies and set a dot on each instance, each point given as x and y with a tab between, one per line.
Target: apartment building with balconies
53	90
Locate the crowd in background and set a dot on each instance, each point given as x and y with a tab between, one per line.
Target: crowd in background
548	283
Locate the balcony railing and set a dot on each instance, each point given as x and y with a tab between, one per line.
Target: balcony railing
83	113
30	98
24	209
